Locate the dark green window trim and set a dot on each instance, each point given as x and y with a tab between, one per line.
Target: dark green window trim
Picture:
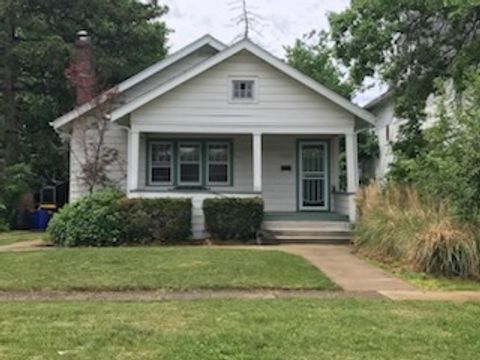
203	163
200	162
229	163
150	165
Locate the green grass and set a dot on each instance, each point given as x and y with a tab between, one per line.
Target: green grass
11	237
176	268
428	282
235	329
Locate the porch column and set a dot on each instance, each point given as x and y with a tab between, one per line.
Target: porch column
257	162
133	159
352	171
335	163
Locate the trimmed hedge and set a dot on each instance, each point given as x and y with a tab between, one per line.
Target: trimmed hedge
233	218
107	218
91	221
148	221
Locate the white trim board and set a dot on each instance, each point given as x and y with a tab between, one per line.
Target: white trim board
139	77
263	55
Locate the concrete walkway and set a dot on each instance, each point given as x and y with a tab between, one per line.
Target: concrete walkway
347	270
356	275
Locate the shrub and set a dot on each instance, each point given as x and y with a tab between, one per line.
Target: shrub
91	221
148	221
397	224
233	218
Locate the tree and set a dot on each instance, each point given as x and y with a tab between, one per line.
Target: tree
409	44
317	61
38	37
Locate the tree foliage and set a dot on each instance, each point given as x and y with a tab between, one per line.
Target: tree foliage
409	43
449	165
317	61
37	39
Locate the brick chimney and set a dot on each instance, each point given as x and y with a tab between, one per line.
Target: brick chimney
81	71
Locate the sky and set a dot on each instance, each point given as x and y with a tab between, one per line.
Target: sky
280	23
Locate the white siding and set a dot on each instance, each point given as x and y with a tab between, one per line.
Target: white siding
204	100
341	203
168	73
116	138
386	119
279	187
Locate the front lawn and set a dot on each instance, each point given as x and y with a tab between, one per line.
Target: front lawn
11	237
426	281
178	268
236	329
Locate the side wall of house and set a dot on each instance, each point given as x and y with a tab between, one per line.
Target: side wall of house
387	130
115	138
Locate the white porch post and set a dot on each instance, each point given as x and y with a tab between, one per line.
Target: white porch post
133	159
257	162
335	163
352	172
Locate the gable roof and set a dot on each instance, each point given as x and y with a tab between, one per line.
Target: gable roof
139	77
380	100
263	55
223	54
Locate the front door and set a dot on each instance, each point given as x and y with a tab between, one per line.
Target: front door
313	176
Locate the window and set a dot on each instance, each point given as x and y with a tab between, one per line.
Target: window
161	158
195	162
189	163
387	132
243	90
218	163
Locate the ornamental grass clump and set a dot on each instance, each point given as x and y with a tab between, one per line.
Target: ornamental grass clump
397	224
445	249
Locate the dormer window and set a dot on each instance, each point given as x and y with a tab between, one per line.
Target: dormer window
243	90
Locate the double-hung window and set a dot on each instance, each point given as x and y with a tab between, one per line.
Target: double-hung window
189	163
196	162
218	163
161	163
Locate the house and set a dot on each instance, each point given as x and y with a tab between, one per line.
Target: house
213	120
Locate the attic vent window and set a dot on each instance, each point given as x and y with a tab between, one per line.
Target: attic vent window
243	90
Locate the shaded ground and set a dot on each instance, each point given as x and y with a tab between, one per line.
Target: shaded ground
12	237
239	329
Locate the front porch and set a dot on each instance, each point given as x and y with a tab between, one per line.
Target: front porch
297	175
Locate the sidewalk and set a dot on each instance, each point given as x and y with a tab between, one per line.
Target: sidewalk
355	275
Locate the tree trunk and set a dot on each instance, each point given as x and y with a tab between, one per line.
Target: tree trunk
9	108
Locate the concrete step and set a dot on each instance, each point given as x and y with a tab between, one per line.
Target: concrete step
311	232
312	225
319	239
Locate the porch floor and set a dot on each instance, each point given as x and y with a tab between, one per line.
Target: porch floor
302	216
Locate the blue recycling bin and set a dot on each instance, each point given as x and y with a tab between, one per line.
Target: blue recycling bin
40	219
